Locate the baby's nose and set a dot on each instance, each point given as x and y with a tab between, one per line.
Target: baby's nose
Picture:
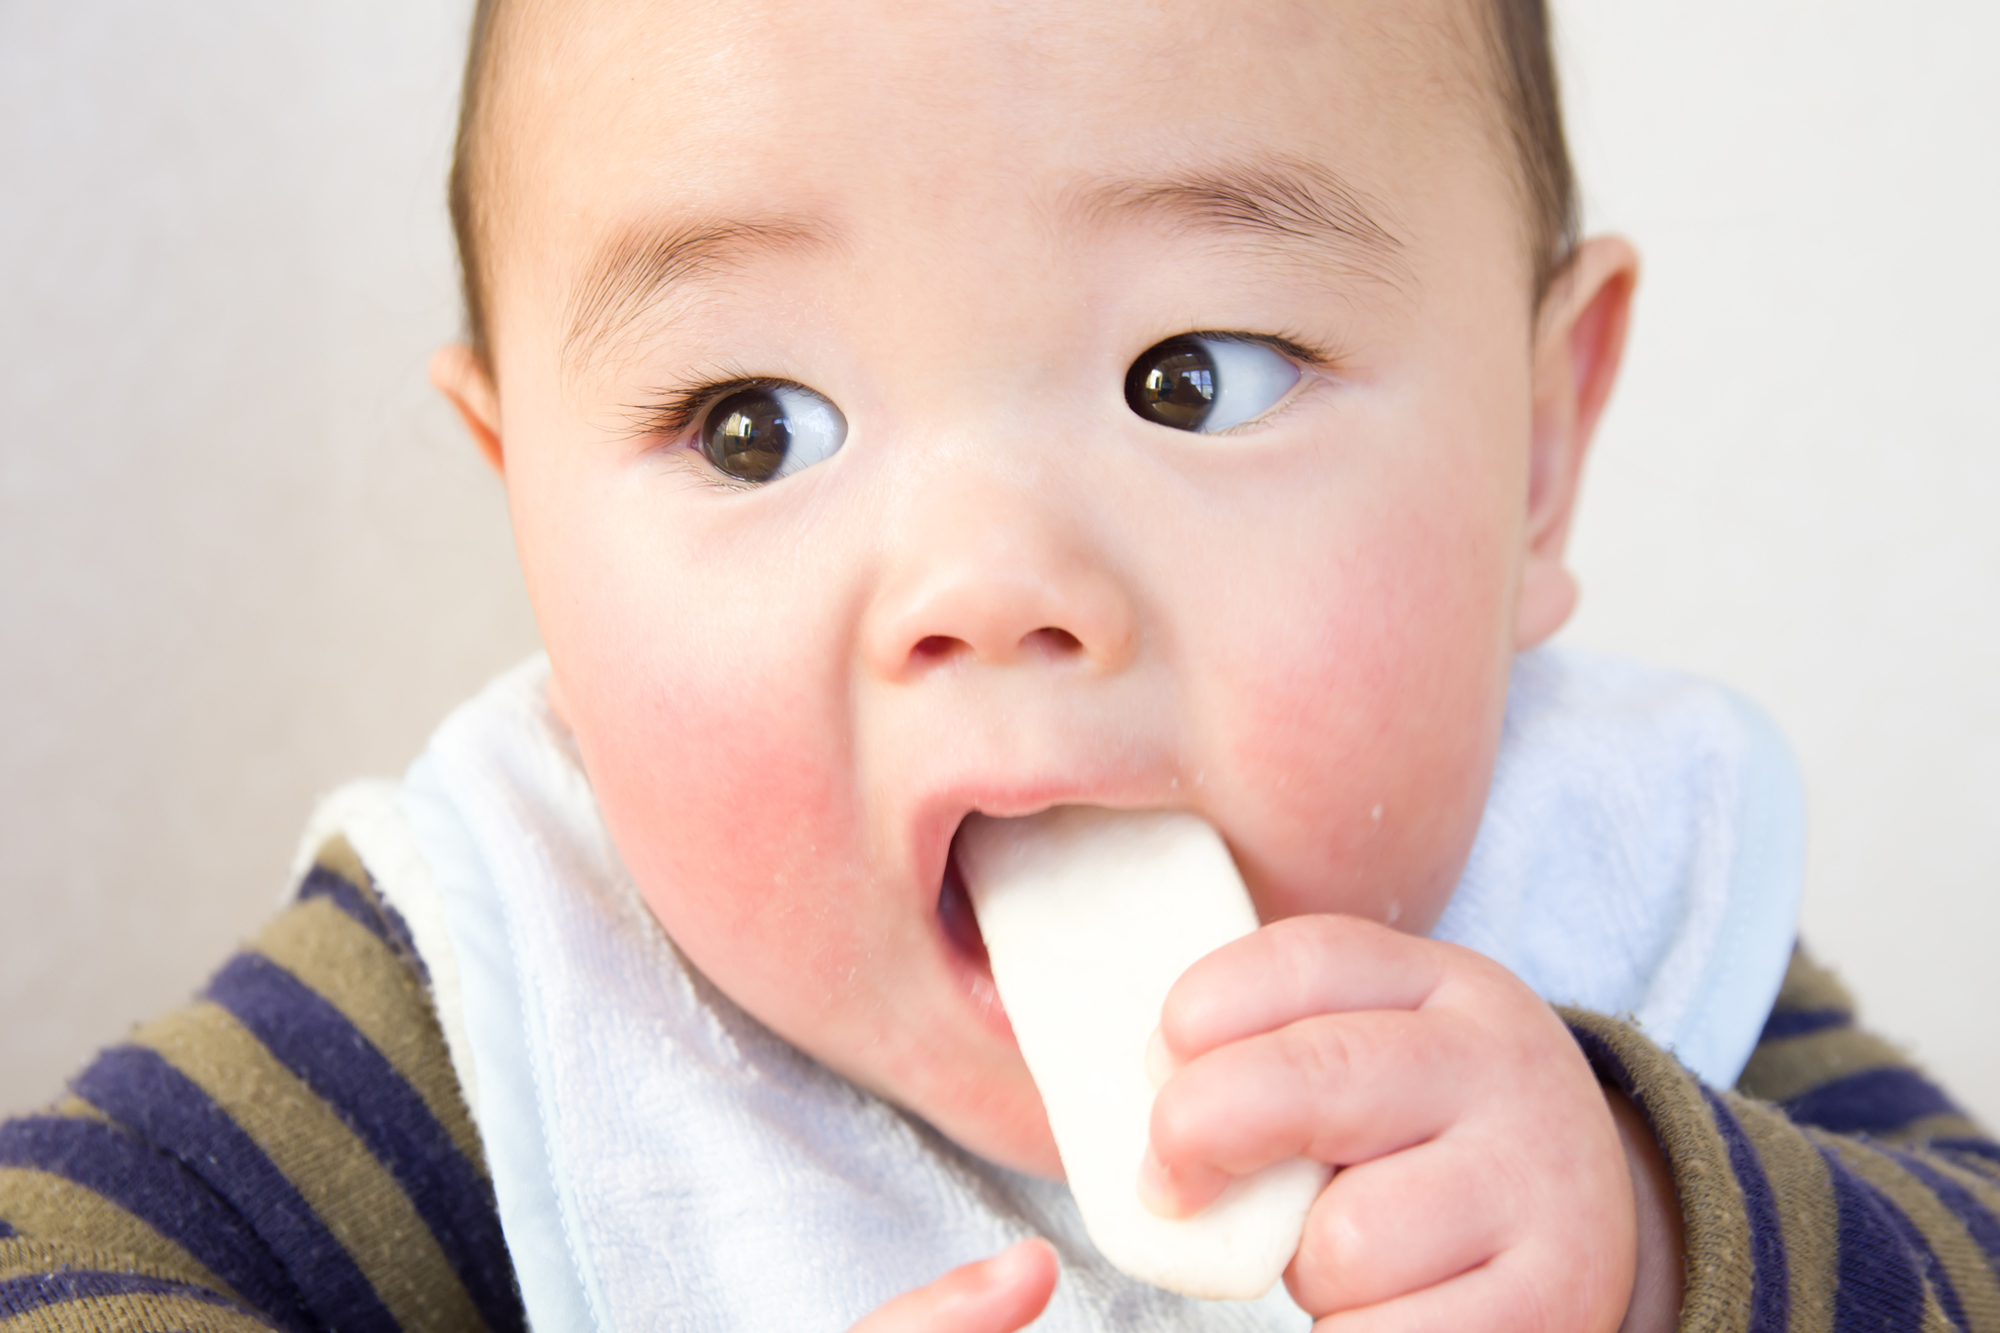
988	578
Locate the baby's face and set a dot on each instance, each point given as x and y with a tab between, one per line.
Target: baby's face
845	360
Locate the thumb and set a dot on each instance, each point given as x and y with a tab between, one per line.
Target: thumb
997	1295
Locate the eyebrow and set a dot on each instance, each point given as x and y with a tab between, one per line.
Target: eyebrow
641	265
1288	203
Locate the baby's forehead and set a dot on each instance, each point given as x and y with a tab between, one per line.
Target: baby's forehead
1119	52
623	108
610	80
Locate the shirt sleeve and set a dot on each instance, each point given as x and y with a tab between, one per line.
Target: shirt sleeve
291	1151
1835	1189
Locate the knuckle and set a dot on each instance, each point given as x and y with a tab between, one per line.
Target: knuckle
1296	953
1319	1055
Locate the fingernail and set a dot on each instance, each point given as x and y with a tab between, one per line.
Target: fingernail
1014	1267
1002	1267
1160	1062
1156	1188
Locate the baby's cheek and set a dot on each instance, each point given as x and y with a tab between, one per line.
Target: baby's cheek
1361	727
717	780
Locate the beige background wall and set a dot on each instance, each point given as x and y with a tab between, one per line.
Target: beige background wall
244	555
1796	486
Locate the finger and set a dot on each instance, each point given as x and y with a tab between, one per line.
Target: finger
1403	1223
1519	1292
997	1295
1341	1089
1294	968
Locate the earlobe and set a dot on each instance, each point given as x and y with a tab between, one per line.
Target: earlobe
1579	342
461	375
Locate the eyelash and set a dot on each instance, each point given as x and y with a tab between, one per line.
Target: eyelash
1309	357
677	409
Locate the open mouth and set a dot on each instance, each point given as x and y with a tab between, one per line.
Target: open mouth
968	946
961	924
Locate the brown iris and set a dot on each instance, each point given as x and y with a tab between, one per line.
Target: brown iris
747	435
1173	384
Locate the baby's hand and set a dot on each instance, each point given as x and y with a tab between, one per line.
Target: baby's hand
996	1295
1483	1186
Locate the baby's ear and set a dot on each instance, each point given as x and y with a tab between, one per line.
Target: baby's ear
460	374
1579	340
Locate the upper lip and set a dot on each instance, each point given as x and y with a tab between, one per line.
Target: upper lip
940	814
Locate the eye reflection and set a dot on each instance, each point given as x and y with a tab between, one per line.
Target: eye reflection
765	432
1207	384
1173	384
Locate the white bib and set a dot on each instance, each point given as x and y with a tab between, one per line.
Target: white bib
663	1162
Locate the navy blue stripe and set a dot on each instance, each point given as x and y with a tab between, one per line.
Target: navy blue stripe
382	921
141	1089
1785	1023
1983	1148
1770	1273
159	1192
1604	1061
1877	1289
1878	1101
316	1042
1981	1225
1919	1245
406	943
324	883
23	1295
7	1231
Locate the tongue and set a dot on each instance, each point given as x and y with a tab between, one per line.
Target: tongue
1089	917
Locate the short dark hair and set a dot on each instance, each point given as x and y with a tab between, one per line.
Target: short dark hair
1522	61
1531	101
467	225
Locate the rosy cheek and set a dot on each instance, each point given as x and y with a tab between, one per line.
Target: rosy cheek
1361	727
713	754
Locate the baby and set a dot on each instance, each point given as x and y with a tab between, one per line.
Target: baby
914	410
909	411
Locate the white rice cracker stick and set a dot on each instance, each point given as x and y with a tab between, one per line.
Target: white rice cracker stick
1090	916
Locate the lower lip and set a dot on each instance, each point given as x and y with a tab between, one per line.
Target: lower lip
968	948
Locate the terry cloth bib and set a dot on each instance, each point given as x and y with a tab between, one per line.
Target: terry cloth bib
662	1161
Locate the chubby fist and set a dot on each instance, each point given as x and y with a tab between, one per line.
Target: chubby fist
1484	1181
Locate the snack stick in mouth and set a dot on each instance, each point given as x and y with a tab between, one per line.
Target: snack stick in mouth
1089	917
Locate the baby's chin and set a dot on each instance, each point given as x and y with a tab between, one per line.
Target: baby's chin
1000	1124
976	1090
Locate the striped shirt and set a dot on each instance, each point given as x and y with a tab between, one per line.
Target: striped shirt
292	1152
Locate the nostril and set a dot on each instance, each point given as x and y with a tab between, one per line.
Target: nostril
934	647
1055	642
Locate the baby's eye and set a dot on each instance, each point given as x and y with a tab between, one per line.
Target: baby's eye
1206	383
764	432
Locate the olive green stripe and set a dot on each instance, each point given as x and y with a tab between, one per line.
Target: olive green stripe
1965	1264
1810	988
1970	1162
1781	1070
354	1196
351	969
1920	1132
1984	1189
1717	1227
136	1313
47	1207
337	855
1808	1213
1936	1320
76	1108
